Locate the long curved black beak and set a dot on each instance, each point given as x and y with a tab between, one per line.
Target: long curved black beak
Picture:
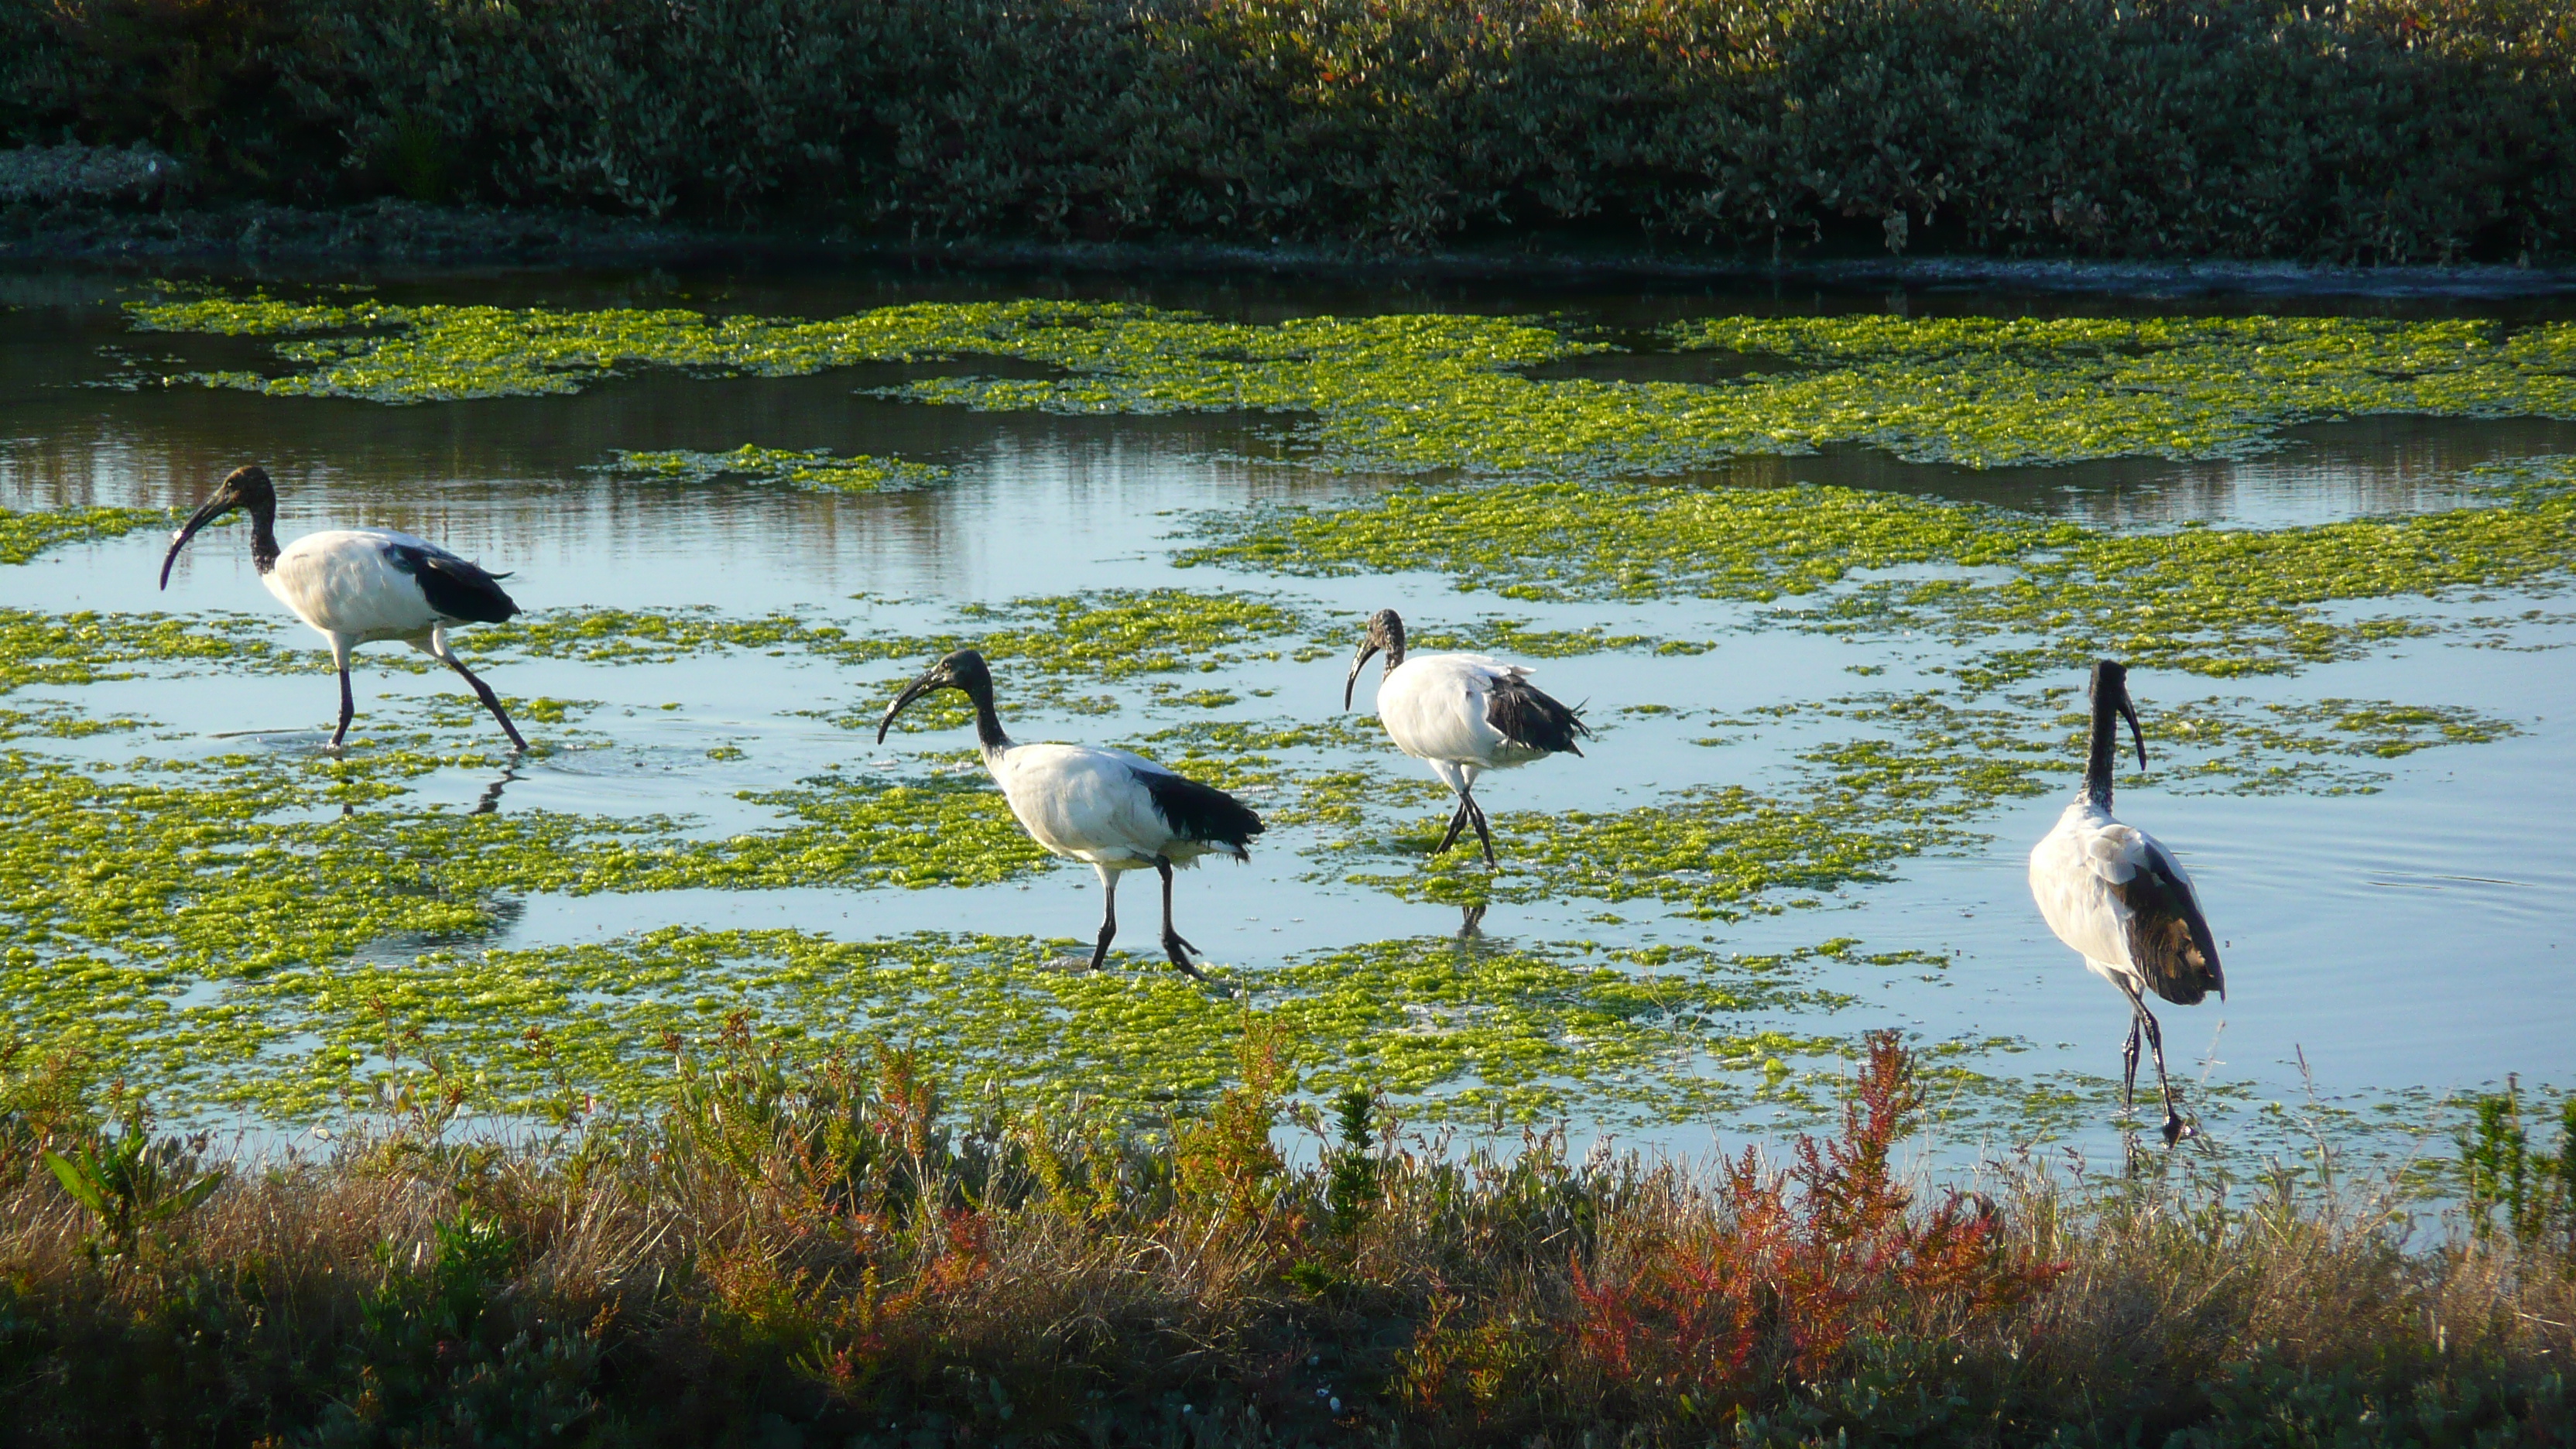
215	508
915	690
2129	712
1368	651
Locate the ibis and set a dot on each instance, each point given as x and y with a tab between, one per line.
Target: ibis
361	586
2113	893
1461	714
1112	810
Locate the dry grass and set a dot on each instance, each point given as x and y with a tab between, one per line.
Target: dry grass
818	1257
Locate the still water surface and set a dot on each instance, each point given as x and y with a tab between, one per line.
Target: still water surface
2403	944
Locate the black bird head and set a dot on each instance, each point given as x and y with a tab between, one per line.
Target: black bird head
246	487
1385	631
2111	691
962	670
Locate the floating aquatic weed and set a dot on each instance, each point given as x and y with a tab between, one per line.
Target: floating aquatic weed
2512	635
25	534
129	885
640	636
1502	634
61	722
1849	810
1451	1029
86	647
1106	634
1115	633
816	468
951	830
2027	745
1989	392
2234	746
1320	787
1723	853
1425	392
1556	542
2220	602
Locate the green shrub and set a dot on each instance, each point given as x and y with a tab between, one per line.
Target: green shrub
2384	131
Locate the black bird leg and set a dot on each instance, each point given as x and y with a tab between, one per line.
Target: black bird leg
1173	946
1108	917
2174	1127
348	709
2129	1065
490	700
1457	823
1476	813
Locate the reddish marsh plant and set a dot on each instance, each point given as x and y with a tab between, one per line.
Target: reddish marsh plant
1699	1303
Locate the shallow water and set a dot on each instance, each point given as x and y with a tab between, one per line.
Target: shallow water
2387	948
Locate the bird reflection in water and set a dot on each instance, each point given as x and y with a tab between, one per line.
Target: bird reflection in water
490	800
487	803
1471	922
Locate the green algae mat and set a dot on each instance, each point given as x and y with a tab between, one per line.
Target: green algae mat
259	929
1420	393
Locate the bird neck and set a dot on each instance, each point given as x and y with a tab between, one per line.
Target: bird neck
263	536
1394	648
2102	752
988	725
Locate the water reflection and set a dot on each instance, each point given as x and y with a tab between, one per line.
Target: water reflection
514	475
2323	472
490	800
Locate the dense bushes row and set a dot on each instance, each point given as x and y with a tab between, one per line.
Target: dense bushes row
2389	130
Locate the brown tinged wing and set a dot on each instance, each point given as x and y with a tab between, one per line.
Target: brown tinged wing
2169	940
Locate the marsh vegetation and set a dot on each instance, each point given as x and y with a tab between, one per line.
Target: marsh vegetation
702	1073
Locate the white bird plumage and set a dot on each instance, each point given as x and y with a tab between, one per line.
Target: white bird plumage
357	586
1461	714
2119	898
1084	803
1110	809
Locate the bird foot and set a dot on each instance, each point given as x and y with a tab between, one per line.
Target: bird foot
2176	1129
1180	951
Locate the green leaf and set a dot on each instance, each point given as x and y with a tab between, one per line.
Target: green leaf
80	1180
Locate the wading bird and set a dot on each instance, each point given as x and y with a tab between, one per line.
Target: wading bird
1462	714
361	586
2110	891
1114	811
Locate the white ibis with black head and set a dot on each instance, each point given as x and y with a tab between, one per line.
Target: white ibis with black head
2111	892
1462	714
361	586
1114	811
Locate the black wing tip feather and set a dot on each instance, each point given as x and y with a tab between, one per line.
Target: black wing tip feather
455	588
1533	719
1201	812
